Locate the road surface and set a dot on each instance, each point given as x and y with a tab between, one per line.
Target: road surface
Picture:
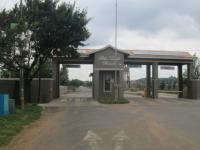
144	124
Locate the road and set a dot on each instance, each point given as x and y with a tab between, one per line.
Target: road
144	124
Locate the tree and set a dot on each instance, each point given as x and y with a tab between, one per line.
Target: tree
196	64
88	84
196	74
162	85
174	84
64	79
8	74
46	69
46	29
76	83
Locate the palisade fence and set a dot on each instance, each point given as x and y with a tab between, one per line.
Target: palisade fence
11	87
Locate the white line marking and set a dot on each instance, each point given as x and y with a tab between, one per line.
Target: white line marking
92	139
119	139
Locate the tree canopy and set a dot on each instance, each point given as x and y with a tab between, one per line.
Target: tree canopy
46	29
64	77
196	65
196	74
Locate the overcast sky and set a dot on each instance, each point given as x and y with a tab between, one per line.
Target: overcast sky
143	24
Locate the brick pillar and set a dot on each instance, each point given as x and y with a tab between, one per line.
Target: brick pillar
180	81
96	84
56	83
190	71
155	81
148	80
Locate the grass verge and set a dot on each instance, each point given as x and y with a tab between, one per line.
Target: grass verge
109	100
12	124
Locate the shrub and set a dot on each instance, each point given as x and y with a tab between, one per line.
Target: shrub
110	100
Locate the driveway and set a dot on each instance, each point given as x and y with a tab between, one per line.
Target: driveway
144	124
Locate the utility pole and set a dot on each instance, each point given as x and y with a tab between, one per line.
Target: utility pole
21	80
116	34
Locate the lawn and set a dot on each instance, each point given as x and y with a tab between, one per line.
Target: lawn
12	124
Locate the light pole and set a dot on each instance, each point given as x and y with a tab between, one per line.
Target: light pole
116	34
21	80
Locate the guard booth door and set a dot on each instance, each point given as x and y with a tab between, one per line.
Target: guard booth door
107	79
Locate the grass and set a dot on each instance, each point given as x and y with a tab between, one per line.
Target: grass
12	124
109	100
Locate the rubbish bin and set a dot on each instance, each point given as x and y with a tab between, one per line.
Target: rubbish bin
4	104
11	105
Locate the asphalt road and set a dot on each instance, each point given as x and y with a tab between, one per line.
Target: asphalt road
144	124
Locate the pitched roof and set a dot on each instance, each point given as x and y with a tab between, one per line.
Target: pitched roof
93	51
153	54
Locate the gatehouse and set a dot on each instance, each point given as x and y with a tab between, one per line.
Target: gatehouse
111	69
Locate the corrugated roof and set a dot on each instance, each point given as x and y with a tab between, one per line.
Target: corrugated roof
154	54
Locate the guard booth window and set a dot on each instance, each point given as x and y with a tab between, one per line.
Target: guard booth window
107	83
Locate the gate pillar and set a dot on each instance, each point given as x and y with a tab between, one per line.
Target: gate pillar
55	72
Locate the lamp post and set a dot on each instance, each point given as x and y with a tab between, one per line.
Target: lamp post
21	80
116	28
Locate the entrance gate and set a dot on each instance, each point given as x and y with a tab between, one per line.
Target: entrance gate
110	70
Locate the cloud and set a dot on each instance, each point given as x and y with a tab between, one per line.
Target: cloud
8	4
81	73
165	39
156	21
143	24
165	23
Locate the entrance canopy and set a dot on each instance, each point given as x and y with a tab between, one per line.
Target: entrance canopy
107	60
134	56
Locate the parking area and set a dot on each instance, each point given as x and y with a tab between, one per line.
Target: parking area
143	124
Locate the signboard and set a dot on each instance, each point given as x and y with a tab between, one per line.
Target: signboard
135	66
73	66
167	67
109	60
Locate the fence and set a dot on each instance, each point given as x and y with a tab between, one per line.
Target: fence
11	86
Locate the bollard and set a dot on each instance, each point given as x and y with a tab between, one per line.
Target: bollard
4	104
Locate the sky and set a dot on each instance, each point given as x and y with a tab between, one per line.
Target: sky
142	24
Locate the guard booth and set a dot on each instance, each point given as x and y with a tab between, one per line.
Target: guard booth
109	72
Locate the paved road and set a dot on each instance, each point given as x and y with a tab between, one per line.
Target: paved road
144	124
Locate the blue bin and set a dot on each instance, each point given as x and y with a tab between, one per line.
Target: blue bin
1	105
4	104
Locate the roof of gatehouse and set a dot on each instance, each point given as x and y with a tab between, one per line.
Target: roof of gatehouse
144	54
